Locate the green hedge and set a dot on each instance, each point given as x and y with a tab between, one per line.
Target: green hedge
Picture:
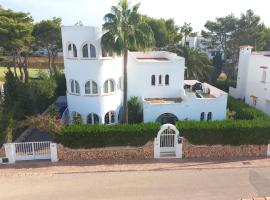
89	136
229	132
244	111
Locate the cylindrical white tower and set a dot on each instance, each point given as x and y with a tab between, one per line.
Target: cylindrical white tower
94	77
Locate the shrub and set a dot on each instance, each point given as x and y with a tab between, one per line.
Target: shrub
90	136
135	113
243	111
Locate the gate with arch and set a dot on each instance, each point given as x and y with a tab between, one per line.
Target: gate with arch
168	143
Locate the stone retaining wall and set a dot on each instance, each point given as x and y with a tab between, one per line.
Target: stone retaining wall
147	152
109	153
219	151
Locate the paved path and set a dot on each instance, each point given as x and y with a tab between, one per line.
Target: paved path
195	184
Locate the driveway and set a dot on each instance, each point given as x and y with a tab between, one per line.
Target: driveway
195	184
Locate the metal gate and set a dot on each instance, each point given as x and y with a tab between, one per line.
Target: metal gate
167	140
168	143
32	151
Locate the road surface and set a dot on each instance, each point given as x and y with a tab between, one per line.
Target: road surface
195	184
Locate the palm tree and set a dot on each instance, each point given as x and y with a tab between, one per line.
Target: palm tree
186	29
198	66
124	29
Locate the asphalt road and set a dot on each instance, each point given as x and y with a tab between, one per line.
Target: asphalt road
209	184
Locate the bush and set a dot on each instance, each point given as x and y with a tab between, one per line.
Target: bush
90	136
243	111
135	113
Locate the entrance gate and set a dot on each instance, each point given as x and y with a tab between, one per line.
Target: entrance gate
168	143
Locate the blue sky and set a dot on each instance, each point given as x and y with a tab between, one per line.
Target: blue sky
91	12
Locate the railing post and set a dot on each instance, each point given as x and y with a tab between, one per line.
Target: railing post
10	152
53	148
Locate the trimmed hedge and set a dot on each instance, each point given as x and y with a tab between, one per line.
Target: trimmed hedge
227	132
90	136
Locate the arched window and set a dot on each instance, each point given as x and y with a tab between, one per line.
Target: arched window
85	51
72	51
209	116
160	80
92	118
89	48
91	87
76	118
153	80
92	51
109	86
110	117
167	79
75	87
202	116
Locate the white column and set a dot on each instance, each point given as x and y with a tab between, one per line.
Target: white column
10	152
156	148
268	150
54	156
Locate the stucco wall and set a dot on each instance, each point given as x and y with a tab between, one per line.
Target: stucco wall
249	79
190	108
140	72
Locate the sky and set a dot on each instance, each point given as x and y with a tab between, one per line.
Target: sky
91	12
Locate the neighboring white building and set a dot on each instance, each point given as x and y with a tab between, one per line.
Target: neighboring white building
198	43
94	83
253	79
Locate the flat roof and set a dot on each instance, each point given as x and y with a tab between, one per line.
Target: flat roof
164	100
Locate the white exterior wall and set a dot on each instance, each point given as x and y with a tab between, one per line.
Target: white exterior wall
249	79
189	109
141	71
96	69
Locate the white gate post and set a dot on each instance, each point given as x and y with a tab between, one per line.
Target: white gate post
10	152
268	150
179	148
156	148
54	157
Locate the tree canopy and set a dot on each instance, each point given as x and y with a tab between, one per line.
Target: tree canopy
166	32
47	35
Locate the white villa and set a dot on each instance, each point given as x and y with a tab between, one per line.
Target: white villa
94	83
253	79
198	43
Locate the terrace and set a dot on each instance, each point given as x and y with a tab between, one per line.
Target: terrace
201	90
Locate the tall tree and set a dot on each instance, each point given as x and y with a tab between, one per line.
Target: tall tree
198	66
15	37
47	34
186	29
166	32
125	29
